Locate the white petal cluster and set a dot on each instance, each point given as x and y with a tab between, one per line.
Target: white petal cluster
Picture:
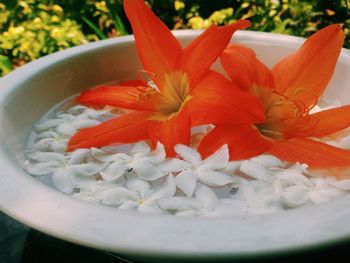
141	162
135	177
52	134
194	170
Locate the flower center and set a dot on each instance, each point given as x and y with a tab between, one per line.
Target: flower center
174	95
280	113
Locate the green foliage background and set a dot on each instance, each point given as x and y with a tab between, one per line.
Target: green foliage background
30	29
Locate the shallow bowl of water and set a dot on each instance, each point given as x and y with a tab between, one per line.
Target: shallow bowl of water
29	92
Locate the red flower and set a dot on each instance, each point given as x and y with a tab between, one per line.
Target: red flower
187	93
288	92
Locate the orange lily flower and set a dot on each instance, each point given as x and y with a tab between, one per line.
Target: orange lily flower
288	92
184	93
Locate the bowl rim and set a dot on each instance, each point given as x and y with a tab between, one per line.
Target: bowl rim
199	237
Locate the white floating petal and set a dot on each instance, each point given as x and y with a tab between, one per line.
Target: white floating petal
299	168
295	195
61	179
47	124
213	178
255	170
342	184
82	182
186	181
103	114
43	144
232	166
121	149
59	146
245	191
206	197
78	109
320	183
141	147
293	178
105	156
217	160
173	165
40	168
66	129
48	134
146	171
79	124
117	196
65	116
158	155
267	161
188	154
140	186
167	189
85	169
114	171
277	187
45	157
78	156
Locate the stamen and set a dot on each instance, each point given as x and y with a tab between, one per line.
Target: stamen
153	85
314	103
142	92
145	75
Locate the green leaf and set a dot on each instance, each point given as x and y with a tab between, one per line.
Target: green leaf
281	27
97	31
116	18
5	64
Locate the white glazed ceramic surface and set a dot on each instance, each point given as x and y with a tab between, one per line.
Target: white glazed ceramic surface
27	93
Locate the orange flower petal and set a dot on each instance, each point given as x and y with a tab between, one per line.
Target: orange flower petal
244	69
304	75
128	128
157	47
198	56
325	122
244	141
171	132
215	100
118	96
315	154
330	121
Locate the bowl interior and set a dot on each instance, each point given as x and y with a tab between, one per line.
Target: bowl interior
29	92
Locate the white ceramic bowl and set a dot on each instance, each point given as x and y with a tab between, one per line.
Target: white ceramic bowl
27	93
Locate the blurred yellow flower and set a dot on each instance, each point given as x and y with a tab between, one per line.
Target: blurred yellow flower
178	5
